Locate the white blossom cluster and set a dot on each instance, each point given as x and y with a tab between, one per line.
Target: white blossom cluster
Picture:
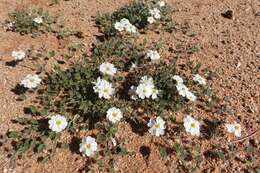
145	89
125	25
183	90
103	88
155	12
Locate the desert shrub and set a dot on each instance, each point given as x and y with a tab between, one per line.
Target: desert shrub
22	21
137	12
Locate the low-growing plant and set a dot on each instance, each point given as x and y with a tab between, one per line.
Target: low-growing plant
137	12
123	64
23	21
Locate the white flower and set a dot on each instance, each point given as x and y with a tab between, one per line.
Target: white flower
150	20
153	55
178	79
38	20
114	114
161	3
88	146
155	12
57	123
18	55
190	96
119	26
199	79
234	128
103	88
157	126
182	89
130	28
191	125
31	81
107	68
146	80
144	90
124	24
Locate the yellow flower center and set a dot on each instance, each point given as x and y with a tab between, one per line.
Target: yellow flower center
87	146
157	126
114	114
236	127
31	80
105	90
192	125
58	122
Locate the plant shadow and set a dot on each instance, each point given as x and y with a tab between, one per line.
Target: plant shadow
19	90
138	127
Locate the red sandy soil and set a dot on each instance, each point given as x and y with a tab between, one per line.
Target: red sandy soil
229	46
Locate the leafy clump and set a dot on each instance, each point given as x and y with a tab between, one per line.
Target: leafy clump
22	21
136	12
121	52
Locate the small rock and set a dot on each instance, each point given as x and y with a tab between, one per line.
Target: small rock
228	14
258	55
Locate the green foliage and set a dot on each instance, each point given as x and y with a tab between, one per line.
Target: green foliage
22	22
137	13
121	52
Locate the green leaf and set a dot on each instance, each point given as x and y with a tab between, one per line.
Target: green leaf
12	134
163	151
40	147
21	97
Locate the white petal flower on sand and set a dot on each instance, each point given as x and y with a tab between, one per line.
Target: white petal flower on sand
107	68
192	126
18	55
153	55
144	91
178	79
199	79
157	126
57	123
119	26
38	20
151	20
103	88
114	114
161	3
88	146
155	12
234	128
31	81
